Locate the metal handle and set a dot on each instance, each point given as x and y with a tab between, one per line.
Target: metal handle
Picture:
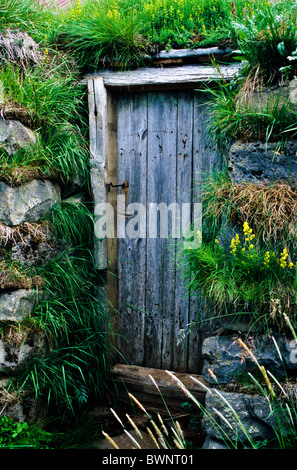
124	185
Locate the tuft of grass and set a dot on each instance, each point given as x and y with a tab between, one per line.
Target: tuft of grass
54	99
103	31
270	208
236	115
72	221
267	38
31	16
243	278
122	33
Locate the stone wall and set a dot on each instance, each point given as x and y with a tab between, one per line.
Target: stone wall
230	409
26	239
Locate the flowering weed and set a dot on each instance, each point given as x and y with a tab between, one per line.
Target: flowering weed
244	277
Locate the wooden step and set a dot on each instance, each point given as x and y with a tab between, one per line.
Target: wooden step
136	380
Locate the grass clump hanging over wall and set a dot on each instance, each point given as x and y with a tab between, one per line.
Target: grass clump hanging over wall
122	33
270	208
245	277
43	92
53	99
73	369
257	104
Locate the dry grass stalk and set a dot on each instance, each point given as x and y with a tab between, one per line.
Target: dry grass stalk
18	47
11	277
14	112
110	440
38	231
253	83
23	174
270	209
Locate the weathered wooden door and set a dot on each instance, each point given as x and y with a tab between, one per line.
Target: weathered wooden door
162	151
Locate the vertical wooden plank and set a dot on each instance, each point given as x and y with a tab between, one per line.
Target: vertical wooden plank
183	195
161	187
132	166
92	117
206	154
111	170
98	147
206	159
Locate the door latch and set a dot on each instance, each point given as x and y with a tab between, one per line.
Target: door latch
124	185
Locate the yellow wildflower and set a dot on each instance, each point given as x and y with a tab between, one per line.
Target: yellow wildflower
234	242
266	258
246	228
283	258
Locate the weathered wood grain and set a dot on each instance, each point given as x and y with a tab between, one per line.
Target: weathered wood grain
132	166
162	125
98	148
137	381
192	53
158	142
111	198
187	76
183	195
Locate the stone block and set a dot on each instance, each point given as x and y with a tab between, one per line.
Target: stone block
27	203
224	356
17	305
244	419
258	162
15	136
12	355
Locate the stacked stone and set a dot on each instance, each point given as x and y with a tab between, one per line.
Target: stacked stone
28	241
224	358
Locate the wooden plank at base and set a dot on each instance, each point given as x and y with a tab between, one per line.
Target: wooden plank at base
137	381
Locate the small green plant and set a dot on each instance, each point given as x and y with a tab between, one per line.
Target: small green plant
267	38
243	278
54	100
238	113
16	435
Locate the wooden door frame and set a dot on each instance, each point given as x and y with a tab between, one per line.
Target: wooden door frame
102	100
